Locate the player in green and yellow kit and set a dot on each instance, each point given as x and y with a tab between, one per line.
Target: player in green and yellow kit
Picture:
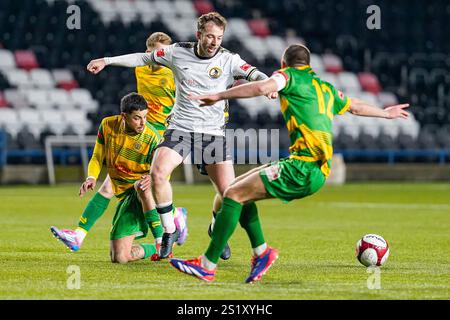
125	143
308	105
156	84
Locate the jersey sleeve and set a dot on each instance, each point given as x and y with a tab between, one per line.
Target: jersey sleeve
240	68
341	101
163	56
98	156
285	74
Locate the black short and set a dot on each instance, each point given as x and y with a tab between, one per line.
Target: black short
204	148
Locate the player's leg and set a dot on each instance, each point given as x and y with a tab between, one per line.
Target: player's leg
95	208
165	160
221	175
149	209
245	191
123	250
129	223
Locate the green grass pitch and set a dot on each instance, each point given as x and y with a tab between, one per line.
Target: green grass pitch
315	237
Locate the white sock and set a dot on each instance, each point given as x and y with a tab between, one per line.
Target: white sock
168	222
213	220
208	264
81	234
259	250
158	240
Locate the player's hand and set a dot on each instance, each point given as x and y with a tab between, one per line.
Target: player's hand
397	111
145	183
97	65
89	184
272	95
205	100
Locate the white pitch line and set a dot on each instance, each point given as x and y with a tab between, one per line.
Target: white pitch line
375	205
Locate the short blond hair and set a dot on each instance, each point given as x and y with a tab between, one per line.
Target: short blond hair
156	37
215	17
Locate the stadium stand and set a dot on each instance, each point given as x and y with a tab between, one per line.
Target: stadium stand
43	79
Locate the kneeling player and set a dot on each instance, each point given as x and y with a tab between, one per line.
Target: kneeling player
126	143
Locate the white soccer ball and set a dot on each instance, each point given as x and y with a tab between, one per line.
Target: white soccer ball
372	250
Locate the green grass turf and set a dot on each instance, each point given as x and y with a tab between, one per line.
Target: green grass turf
315	237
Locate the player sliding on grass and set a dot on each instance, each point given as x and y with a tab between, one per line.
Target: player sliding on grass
156	84
202	67
308	105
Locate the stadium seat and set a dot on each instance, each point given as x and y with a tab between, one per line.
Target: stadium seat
259	27
185	9
19	78
61	99
387	98
62	75
203	6
3	101
31	118
258	47
16	98
42	78
38	98
369	82
26	59
83	99
317	63
238	28
54	121
348	82
332	63
276	45
183	28
7	60
78	120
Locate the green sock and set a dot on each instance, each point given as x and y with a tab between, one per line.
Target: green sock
94	210
226	222
149	249
250	222
154	222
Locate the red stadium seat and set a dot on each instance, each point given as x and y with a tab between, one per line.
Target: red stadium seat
26	59
369	82
332	63
67	84
259	27
203	6
3	102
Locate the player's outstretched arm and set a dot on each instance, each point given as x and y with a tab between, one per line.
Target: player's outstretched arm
128	60
361	108
248	90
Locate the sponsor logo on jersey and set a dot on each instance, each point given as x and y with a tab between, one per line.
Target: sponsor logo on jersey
160	53
245	67
341	95
215	72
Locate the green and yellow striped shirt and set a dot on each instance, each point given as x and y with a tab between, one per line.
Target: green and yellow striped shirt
127	156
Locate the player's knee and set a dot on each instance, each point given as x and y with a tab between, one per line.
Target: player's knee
232	193
119	257
106	192
158	176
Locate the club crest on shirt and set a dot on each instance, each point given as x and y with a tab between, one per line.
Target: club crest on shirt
137	146
163	82
215	72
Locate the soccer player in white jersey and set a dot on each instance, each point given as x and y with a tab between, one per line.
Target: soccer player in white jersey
200	68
